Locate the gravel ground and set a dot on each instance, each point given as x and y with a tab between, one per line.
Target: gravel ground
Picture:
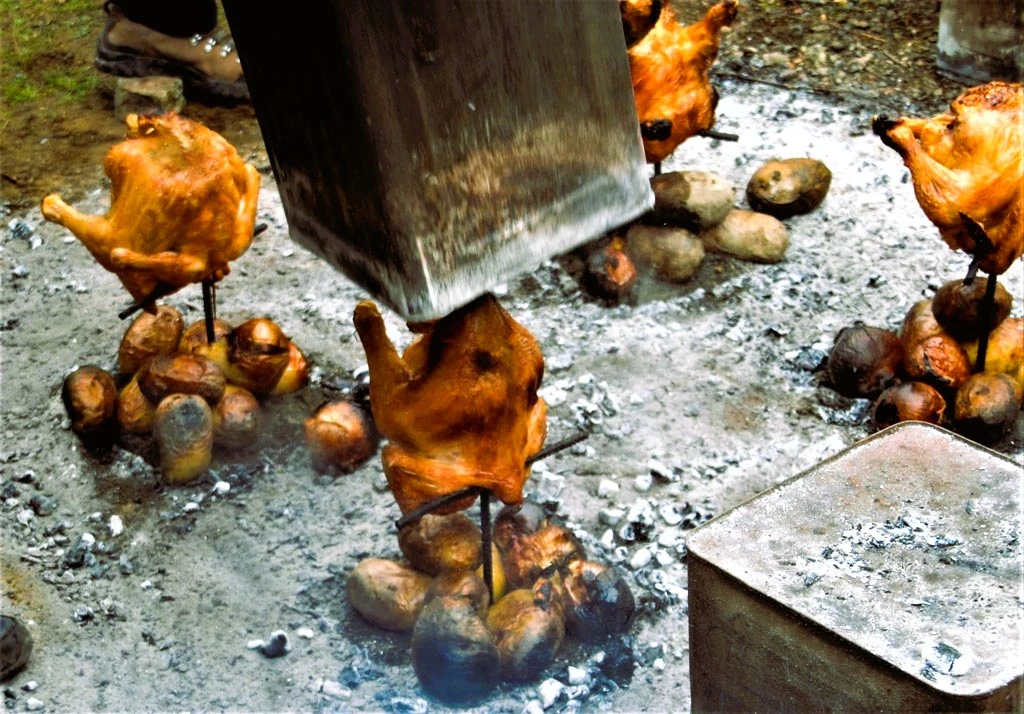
697	397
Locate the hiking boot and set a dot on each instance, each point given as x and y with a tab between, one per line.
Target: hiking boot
207	64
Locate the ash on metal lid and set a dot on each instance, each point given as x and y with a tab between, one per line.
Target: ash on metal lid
906	545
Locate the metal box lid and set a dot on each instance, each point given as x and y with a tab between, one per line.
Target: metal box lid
906	545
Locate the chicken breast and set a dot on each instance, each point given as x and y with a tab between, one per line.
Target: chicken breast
967	166
182	206
459	407
669	67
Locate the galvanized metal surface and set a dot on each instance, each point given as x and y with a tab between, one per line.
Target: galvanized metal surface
888	577
430	150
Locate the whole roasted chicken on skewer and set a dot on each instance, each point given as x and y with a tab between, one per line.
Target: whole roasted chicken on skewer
182	207
967	166
669	67
459	407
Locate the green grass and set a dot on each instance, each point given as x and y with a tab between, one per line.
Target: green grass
46	50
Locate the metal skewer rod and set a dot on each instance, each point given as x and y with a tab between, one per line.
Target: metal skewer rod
987	311
485	541
720	135
209	310
556	447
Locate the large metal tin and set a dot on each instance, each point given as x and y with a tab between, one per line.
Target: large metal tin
430	149
885	579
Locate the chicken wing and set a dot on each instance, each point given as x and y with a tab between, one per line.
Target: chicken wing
459	406
182	206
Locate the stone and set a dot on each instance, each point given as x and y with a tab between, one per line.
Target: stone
671	254
788	187
148	95
748	235
695	200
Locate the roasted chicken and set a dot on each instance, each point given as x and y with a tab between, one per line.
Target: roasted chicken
459	407
669	67
967	166
182	206
638	18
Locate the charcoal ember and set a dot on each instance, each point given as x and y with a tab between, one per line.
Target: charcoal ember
641	518
359	671
610	272
618	663
597	600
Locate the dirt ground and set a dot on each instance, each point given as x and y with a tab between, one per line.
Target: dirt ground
697	397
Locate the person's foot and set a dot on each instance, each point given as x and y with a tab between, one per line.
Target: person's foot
207	64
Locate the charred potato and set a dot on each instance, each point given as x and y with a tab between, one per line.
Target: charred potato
434	544
259	351
909	401
89	395
135	413
295	375
930	354
957	307
183	431
529	629
986	407
597	601
150	335
864	360
454	654
164	375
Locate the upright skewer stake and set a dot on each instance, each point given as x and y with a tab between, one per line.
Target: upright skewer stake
209	309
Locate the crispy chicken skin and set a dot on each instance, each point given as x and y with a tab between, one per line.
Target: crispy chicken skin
669	67
638	17
967	166
182	206
459	407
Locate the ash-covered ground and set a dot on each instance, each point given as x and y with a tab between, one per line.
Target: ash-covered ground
141	596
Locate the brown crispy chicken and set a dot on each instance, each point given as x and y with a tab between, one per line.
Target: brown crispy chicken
669	67
182	206
459	407
967	166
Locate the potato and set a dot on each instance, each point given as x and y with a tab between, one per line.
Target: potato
748	235
465	584
435	544
135	413
671	254
909	401
194	336
930	354
454	655
89	395
163	375
340	435
260	352
529	629
788	187
237	418
957	307
388	594
150	335
552	547
610	272
986	407
864	360
1005	352
183	431
694	200
295	375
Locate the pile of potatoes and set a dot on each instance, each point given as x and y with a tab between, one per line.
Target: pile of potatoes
189	395
694	214
463	643
927	371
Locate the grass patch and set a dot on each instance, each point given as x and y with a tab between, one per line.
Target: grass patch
46	49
